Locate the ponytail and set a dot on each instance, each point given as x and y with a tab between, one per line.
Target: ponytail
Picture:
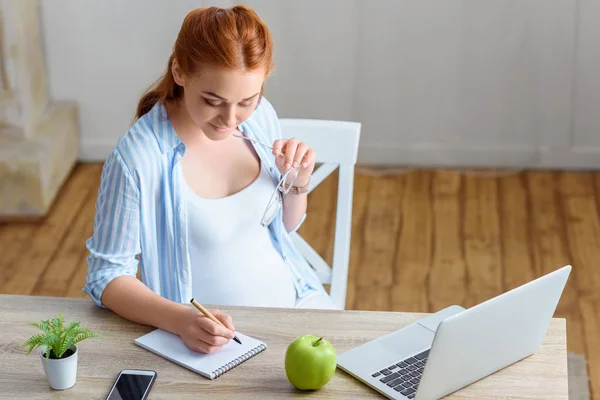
165	90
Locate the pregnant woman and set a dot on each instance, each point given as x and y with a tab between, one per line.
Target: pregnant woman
202	191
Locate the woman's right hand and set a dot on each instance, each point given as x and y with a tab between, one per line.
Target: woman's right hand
201	334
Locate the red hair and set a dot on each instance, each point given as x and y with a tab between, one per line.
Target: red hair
229	38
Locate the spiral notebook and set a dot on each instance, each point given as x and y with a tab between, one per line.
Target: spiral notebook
171	347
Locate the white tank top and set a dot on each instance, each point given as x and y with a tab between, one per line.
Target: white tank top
232	255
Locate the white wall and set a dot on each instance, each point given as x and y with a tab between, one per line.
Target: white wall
587	89
458	82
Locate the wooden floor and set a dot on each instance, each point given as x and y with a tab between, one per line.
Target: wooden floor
421	240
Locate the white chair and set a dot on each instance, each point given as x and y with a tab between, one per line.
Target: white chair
336	145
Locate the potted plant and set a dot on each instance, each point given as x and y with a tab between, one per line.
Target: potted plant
58	349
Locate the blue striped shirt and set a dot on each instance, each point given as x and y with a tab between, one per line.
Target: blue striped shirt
141	216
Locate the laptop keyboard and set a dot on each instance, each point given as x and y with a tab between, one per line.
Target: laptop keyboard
405	375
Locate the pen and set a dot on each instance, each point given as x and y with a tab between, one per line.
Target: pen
212	317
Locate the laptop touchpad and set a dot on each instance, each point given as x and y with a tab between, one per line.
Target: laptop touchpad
409	339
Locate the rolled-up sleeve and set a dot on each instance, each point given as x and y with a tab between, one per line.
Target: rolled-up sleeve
115	241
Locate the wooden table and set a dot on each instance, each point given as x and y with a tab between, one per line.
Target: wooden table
541	376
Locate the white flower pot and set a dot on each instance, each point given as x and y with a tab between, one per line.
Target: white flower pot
62	372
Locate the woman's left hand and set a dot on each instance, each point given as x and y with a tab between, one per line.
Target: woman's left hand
291	153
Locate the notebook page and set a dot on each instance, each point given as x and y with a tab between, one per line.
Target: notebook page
171	347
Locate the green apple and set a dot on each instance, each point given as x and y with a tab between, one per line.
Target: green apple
310	362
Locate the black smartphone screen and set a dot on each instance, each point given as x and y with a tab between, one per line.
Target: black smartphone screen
131	387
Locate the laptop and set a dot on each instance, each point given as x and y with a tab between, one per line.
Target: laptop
419	361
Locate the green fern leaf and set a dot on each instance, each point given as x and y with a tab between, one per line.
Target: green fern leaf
57	323
43	325
52	343
67	343
34	342
66	336
72	325
85	334
69	336
78	330
35	339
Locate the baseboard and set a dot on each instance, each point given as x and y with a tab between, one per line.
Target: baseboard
436	156
95	151
576	158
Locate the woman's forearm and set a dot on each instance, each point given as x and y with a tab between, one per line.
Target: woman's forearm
294	208
131	299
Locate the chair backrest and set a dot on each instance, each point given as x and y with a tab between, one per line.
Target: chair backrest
336	146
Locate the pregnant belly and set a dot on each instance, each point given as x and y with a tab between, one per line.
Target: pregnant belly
244	278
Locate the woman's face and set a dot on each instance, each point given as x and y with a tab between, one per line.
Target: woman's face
217	101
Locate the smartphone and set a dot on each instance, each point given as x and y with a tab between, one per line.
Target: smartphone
132	384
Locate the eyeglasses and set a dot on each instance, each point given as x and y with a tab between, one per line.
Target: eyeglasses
283	188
